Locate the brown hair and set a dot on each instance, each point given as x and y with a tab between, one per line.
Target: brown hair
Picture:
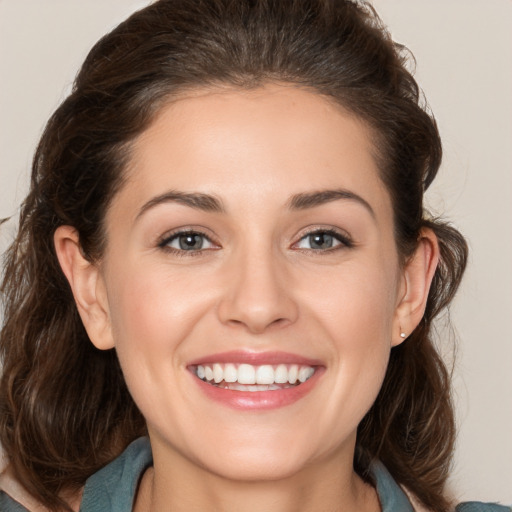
65	409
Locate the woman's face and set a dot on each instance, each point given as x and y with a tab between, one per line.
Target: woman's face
252	241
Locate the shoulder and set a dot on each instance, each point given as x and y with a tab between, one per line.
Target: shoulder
112	489
470	506
476	506
394	498
7	504
13	497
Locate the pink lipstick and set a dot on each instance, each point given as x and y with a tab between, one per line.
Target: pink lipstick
256	381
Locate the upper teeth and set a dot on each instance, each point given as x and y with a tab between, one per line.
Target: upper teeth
249	374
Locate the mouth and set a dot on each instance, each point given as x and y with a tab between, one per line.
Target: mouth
250	381
253	378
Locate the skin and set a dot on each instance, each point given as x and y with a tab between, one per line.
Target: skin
257	285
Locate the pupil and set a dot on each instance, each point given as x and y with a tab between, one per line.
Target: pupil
320	241
191	242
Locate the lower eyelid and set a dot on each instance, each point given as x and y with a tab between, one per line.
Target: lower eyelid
176	239
342	239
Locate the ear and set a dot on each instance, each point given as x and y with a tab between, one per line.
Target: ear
415	285
87	285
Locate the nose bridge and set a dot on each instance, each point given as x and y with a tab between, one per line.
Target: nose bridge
258	296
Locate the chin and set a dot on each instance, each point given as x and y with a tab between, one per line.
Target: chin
257	467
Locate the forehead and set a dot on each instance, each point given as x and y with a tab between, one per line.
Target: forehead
269	141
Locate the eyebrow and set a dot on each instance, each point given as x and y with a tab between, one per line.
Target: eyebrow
307	200
209	203
195	200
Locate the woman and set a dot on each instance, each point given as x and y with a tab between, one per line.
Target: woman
224	248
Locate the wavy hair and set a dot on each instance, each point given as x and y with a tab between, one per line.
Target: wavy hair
65	410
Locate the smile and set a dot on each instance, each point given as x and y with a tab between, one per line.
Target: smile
248	377
250	381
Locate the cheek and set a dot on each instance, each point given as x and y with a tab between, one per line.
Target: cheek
152	306
151	315
355	309
357	301
362	325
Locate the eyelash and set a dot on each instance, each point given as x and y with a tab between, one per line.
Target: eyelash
345	242
165	242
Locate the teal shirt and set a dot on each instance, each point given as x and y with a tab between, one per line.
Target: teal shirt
112	489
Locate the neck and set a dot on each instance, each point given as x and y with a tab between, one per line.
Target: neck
185	487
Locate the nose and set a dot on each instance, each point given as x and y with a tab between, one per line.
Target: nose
259	294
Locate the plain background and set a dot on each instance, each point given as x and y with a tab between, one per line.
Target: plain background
464	65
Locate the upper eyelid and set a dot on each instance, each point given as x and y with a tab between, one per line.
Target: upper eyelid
324	229
171	235
343	235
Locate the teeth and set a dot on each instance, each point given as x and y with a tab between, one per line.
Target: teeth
265	374
230	373
208	373
305	373
280	375
257	387
246	374
293	373
246	377
218	373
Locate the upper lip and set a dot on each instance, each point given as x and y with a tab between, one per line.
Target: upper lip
255	358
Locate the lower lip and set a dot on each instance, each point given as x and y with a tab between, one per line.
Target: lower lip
259	400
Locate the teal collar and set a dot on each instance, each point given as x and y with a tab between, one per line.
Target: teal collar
113	488
392	497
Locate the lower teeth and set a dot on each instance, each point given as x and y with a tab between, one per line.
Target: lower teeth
234	386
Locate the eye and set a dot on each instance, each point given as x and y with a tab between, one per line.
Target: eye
323	240
189	241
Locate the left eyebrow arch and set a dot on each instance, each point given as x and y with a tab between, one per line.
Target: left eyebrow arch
196	200
306	200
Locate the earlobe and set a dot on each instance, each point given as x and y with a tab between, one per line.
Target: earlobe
87	285
416	279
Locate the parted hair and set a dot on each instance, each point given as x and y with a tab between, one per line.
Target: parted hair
65	410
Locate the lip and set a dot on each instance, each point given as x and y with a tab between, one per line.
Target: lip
257	400
256	358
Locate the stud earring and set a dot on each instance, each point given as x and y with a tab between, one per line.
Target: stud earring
402	335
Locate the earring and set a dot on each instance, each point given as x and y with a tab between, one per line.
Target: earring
402	335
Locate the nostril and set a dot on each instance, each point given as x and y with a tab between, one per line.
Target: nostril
257	327
257	300
279	322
